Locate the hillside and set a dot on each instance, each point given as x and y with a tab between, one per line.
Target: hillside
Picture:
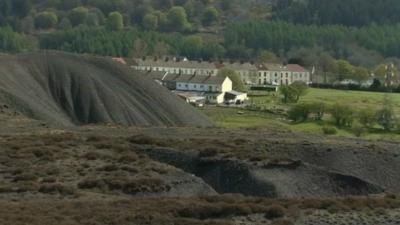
308	32
70	89
128	175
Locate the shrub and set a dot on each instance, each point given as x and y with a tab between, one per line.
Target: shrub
126	185
358	130
367	118
25	177
46	20
299	112
49	180
56	188
274	212
343	115
329	130
91	183
128	158
317	109
95	139
208	152
94	156
293	92
215	210
386	117
282	222
134	186
109	168
142	140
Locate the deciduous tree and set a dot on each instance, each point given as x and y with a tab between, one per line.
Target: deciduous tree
115	21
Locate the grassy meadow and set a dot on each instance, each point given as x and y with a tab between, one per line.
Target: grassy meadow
357	100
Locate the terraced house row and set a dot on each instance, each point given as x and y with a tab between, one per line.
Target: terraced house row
250	73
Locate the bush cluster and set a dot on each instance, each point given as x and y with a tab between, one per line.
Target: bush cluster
377	87
302	111
357	121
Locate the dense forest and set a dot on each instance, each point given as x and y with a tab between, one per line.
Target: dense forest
355	36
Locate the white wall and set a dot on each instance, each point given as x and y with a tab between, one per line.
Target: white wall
216	99
183	86
227	85
185	71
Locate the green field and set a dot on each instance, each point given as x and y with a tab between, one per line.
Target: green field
241	118
357	99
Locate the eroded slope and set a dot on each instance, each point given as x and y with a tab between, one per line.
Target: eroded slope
73	89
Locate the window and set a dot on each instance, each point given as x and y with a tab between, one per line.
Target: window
195	86
265	74
186	85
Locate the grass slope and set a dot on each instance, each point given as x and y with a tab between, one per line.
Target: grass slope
358	100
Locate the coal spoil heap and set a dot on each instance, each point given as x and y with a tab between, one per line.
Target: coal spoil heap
70	89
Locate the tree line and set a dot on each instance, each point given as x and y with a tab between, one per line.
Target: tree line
344	12
130	43
280	36
212	30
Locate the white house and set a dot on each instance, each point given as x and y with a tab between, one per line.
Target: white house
277	74
251	74
298	73
212	87
247	71
235	97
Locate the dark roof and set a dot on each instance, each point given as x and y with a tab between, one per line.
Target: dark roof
241	66
156	75
236	93
296	68
175	64
195	79
275	67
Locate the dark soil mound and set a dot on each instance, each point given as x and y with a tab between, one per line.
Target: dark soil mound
71	89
